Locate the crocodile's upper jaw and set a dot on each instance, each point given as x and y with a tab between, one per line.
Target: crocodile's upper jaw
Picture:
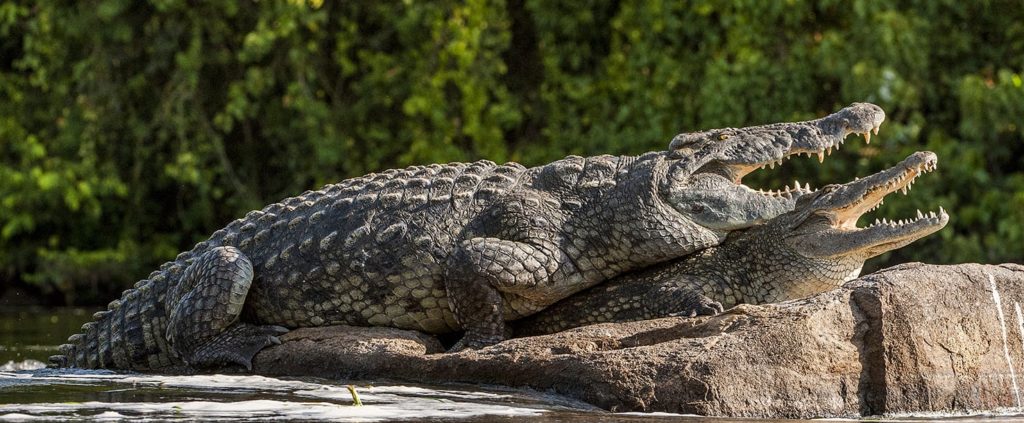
839	207
734	153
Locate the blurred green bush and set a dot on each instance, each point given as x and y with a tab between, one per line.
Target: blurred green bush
130	130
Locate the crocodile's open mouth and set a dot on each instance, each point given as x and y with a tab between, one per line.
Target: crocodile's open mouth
839	207
884	234
874	196
734	153
737	171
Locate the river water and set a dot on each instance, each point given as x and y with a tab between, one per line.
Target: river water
30	392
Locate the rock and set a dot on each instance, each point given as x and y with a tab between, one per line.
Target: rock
909	339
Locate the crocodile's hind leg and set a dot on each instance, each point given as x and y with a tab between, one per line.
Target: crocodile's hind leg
203	327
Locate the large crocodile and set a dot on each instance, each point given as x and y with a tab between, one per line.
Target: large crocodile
812	249
444	248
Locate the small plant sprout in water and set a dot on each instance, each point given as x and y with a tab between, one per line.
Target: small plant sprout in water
355	396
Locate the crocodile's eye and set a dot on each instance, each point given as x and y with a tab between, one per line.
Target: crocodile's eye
697	208
723	137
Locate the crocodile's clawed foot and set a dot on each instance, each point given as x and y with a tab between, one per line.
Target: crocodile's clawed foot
713	309
699	305
237	345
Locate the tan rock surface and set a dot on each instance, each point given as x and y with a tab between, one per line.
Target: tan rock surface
912	338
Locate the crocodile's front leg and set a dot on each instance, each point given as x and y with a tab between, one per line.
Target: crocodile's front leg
480	270
203	327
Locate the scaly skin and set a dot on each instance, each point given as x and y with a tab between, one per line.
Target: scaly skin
813	249
444	248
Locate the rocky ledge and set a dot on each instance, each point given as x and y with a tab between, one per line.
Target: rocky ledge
909	339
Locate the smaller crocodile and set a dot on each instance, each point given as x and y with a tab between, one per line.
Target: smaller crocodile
812	249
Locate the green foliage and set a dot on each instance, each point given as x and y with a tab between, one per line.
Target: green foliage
129	130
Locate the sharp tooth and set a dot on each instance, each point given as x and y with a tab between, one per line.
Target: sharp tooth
941	210
876	222
932	215
821	157
796	184
867	138
919	215
904	190
807	186
856	178
829	151
876	130
771	165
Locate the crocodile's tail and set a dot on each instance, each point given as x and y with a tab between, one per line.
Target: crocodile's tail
130	334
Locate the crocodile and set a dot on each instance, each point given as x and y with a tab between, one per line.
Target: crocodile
447	248
812	249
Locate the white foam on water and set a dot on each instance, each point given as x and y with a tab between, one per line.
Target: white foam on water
236	383
13	366
18	417
1010	414
1006	345
291	400
211	410
109	415
397	393
416	390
